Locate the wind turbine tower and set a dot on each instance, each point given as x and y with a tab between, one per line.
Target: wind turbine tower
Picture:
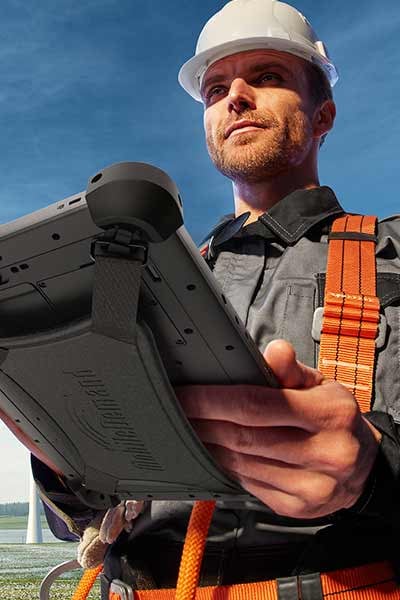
34	531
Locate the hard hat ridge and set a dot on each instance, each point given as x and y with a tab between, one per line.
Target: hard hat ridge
249	25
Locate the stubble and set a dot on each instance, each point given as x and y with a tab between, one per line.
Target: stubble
255	156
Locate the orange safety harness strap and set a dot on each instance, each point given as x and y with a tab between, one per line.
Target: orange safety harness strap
193	550
369	582
86	583
351	307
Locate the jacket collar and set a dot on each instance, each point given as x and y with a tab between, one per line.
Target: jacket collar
287	221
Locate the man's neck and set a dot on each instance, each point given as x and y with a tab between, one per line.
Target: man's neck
257	198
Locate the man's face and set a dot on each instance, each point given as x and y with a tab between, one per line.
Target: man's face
258	114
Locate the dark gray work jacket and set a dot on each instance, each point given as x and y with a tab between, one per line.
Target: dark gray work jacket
273	272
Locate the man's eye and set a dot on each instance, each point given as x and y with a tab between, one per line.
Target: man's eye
215	91
269	77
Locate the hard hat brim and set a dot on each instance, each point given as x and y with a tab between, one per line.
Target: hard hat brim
192	72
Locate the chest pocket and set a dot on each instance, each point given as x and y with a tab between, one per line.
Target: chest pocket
297	318
386	396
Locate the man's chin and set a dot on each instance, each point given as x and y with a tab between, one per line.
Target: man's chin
246	173
251	167
248	157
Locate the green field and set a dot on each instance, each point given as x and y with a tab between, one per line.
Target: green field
18	522
29	590
22	569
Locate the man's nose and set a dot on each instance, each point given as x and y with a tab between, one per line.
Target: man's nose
241	96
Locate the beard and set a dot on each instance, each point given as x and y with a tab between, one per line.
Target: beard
254	156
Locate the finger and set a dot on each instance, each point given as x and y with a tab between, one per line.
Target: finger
327	452
133	508
254	406
282	503
290	505
291	373
328	406
90	552
112	524
286	444
311	486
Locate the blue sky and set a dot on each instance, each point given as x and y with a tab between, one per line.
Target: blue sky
85	83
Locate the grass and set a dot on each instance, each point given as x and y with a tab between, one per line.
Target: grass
18	522
28	589
22	569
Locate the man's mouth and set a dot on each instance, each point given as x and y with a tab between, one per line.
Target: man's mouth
242	126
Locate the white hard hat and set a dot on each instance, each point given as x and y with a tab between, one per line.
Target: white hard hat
248	25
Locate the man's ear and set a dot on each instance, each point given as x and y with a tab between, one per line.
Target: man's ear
324	118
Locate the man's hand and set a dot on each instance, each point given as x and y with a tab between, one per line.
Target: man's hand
104	530
304	450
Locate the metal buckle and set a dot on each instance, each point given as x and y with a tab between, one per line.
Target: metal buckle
120	591
317	327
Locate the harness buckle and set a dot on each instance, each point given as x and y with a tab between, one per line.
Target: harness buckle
317	327
120	591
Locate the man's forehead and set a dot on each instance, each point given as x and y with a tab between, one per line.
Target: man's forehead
248	58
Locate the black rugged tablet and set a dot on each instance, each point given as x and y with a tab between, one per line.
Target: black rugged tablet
105	304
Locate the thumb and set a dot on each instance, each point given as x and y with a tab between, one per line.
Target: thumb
112	524
291	373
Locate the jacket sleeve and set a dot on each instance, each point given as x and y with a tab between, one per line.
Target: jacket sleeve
66	515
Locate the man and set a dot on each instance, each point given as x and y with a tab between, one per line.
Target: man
326	476
263	129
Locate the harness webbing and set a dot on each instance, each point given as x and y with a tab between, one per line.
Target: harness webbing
86	583
193	549
370	582
351	307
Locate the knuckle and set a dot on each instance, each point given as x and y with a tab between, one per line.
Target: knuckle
323	494
300	508
316	490
343	412
297	510
333	452
289	506
316	498
340	460
348	415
